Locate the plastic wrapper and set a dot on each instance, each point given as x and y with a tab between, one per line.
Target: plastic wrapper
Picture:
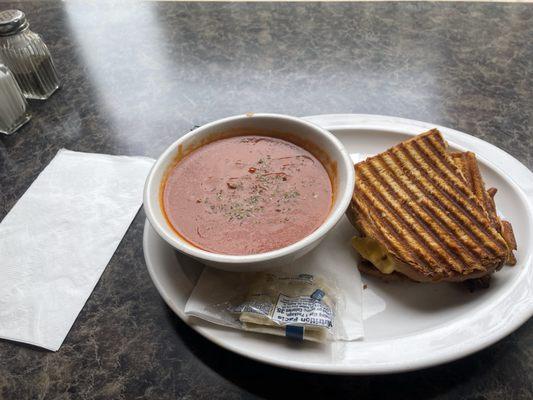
301	306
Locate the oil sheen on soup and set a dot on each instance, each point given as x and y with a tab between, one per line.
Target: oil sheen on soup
247	195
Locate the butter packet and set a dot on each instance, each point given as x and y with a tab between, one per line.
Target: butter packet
299	307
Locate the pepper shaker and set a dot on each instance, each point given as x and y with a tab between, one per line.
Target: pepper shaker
27	56
12	103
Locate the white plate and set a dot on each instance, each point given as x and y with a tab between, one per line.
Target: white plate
411	325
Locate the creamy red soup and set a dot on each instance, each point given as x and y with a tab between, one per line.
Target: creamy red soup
247	195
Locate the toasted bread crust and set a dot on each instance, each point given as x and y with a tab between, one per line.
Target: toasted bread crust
468	165
508	235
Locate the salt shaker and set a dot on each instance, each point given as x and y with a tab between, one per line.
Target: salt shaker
12	103
27	56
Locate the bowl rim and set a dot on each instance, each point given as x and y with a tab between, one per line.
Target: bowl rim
344	197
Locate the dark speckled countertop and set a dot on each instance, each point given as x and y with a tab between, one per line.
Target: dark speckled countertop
136	76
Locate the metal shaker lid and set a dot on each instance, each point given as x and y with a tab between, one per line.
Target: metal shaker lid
12	21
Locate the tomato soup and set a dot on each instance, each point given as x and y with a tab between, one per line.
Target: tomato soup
246	195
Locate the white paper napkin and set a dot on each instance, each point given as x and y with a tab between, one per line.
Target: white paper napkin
58	238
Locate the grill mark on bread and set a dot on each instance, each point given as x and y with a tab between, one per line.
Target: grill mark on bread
440	183
477	205
415	220
460	162
473	210
467	249
367	227
453	209
468	164
386	237
379	208
449	176
450	165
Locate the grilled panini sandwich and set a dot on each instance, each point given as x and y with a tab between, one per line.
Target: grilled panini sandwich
418	215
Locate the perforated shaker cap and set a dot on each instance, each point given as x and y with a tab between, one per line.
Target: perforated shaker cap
12	21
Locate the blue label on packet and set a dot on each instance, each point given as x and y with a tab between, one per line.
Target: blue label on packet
318	294
294	332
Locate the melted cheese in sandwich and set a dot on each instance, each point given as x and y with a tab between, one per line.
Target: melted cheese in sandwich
372	251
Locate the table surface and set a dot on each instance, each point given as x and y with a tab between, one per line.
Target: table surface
137	76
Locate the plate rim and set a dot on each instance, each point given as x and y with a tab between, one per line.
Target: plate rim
358	121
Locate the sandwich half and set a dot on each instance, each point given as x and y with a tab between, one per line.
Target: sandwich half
467	164
418	216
